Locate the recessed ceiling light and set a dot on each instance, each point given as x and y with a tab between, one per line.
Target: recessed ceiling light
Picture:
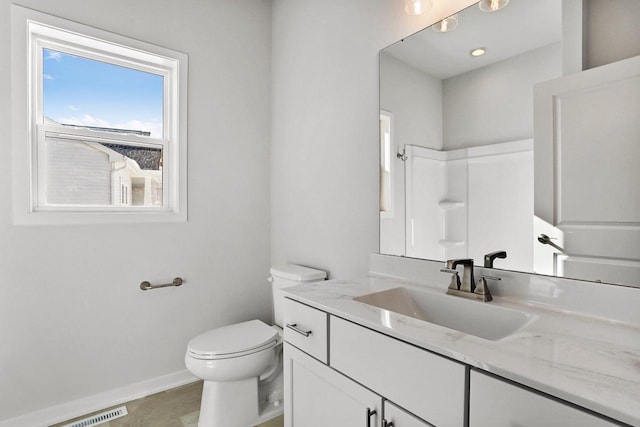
479	51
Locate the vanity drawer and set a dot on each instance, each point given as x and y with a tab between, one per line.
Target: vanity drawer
496	403
430	386
306	328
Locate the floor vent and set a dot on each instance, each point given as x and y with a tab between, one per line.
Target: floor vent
102	418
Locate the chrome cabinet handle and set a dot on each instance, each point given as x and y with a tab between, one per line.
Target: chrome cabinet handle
295	327
386	423
370	413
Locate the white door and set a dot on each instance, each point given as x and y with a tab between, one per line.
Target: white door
587	171
318	396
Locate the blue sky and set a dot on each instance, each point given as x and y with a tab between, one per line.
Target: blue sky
82	91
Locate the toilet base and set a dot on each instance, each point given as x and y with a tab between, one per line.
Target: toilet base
271	394
241	403
232	404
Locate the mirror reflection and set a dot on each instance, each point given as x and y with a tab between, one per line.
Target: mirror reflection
489	134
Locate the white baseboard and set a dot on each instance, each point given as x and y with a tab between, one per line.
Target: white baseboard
86	405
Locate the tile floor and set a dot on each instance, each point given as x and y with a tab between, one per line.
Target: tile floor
178	407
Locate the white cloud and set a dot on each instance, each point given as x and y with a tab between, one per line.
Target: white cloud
86	120
89	120
47	77
72	107
57	56
155	127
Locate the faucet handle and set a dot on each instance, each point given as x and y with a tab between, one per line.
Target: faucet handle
455	277
483	290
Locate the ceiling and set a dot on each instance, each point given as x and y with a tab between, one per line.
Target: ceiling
521	26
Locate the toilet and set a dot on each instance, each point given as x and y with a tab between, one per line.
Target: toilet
241	364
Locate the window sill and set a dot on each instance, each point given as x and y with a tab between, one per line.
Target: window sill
96	217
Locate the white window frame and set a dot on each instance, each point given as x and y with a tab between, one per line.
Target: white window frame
389	160
33	31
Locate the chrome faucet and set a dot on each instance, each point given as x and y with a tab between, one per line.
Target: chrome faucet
467	288
468	283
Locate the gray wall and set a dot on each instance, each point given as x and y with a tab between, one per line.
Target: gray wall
73	321
613	31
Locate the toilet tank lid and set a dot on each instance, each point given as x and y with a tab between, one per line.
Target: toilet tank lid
297	272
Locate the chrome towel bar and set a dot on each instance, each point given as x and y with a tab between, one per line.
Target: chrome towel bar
145	286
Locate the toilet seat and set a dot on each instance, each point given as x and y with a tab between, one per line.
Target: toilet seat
236	340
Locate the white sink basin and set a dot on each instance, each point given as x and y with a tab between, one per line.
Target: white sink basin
483	320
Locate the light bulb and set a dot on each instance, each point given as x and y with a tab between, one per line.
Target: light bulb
492	5
447	24
417	7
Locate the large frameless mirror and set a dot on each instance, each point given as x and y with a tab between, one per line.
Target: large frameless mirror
494	138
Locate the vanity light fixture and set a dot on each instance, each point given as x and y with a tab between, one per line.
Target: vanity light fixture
417	7
492	5
479	51
447	24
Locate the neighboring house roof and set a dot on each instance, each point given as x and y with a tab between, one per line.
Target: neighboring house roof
147	158
113	130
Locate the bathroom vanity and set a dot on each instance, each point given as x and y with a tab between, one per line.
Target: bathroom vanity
353	363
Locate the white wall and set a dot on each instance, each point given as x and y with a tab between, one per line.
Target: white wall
325	126
415	99
494	104
73	321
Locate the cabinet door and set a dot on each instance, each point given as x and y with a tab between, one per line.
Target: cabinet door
401	418
496	403
317	396
424	383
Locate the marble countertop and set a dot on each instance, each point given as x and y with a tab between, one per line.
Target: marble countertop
589	361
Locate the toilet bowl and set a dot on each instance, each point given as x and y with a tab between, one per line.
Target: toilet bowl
241	364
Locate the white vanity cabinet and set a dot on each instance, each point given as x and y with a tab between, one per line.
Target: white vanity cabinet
496	403
395	416
317	396
339	373
429	386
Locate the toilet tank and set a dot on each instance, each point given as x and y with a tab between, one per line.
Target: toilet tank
285	276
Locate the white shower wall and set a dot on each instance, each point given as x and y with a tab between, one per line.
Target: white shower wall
500	204
480	198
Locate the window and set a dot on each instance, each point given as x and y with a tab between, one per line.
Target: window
386	157
104	136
